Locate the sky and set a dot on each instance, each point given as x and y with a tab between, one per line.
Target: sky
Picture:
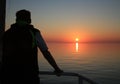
66	20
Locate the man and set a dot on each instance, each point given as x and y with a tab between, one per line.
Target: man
20	42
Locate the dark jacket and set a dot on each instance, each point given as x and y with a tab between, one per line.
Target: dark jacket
19	62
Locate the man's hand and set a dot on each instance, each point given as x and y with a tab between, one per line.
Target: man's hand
58	72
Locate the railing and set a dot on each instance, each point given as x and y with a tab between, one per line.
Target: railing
81	78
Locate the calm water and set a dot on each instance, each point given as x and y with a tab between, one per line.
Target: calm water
99	62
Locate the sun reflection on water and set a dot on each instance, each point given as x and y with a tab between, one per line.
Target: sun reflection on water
77	46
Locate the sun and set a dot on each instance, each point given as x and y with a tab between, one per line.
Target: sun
76	39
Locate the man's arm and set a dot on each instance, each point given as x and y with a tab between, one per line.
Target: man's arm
44	49
51	61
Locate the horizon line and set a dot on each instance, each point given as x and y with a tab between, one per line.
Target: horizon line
84	42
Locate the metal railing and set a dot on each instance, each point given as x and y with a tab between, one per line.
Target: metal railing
81	78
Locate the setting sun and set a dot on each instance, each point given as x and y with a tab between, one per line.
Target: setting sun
76	39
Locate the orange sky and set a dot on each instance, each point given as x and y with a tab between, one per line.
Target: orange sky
63	20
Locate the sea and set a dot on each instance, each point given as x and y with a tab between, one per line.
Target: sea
99	62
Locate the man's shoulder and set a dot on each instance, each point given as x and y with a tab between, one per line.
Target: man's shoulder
34	29
10	30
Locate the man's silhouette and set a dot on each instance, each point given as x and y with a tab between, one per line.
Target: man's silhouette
19	61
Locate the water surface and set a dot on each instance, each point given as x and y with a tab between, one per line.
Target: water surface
97	61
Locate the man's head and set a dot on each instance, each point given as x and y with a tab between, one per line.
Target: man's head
23	15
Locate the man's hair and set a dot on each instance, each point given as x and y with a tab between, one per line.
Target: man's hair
23	15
